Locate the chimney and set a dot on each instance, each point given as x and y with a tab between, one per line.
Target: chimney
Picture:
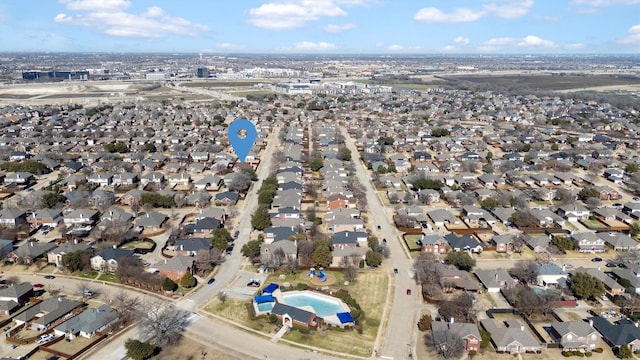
114	246
521	327
590	322
75	241
451	321
31	243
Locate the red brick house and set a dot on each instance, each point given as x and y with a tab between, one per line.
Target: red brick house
433	244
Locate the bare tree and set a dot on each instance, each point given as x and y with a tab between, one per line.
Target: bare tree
85	290
162	322
112	231
526	271
292	265
222	296
204	260
127	305
446	343
240	182
305	251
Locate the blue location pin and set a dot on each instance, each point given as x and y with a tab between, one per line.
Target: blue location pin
242	141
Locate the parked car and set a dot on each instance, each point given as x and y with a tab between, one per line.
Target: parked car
622	265
610	265
596	259
236	234
253	283
408	291
211	281
568	266
49	277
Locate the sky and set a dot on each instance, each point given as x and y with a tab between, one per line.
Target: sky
322	26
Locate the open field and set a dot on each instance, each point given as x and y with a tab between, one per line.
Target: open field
220	83
551	82
250	92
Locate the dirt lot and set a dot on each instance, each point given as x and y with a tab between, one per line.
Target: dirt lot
551	82
188	349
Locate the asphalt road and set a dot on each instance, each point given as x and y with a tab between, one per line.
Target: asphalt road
396	342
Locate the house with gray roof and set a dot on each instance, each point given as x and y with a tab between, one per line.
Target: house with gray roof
107	259
619	241
192	246
290	315
512	336
623	332
468	332
349	239
54	256
30	251
152	220
12	217
610	285
44	313
18	293
176	267
575	335
440	217
6	247
494	280
588	242
88	323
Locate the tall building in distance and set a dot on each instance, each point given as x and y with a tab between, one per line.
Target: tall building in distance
202	72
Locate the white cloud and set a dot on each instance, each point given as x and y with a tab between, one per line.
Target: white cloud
461	40
291	14
576	46
633	36
603	3
395	48
229	46
449	48
529	41
337	28
507	9
96	5
458	15
310	46
152	23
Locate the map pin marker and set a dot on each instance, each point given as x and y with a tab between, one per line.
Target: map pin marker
242	134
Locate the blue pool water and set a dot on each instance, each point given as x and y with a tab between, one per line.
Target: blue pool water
542	291
321	306
265	306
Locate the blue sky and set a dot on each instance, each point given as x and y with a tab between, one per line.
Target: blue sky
322	26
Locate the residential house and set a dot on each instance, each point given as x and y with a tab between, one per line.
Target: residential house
107	260
345	239
619	241
464	243
203	227
30	251
131	197
11	217
588	242
192	246
468	332
209	182
433	244
151	221
538	243
102	179
278	233
551	274
125	179
152	178
611	286
495	280
19	178
176	267
88	323
632	209
17	293
6	247
574	212
575	335
49	217
440	217
623	332
212	212
179	180
226	198
85	216
514	338
54	256
503	242
607	193
289	250
43	314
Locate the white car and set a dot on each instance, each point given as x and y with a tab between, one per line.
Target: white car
45	338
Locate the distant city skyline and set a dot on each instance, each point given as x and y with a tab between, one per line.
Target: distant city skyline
392	27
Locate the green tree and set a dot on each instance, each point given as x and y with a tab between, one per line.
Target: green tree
30	166
373	259
72	261
260	219
386	140
187	280
316	164
138	350
489	155
555	147
51	199
169	285
634	229
460	259
344	154
157	200
251	249
220	238
373	242
150	147
563	243
322	253
586	193
489	203
439	132
424	183
624	352
585	286
631	168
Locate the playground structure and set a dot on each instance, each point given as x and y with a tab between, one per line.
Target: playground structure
320	275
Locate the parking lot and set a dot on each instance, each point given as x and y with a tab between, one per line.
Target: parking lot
239	289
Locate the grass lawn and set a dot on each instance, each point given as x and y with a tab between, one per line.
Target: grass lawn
411	242
593	224
109	277
85	274
369	290
415	86
131	245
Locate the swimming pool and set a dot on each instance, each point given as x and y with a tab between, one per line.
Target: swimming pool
322	305
265	306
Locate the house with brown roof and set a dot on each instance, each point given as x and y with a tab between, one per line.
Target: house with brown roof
176	267
468	332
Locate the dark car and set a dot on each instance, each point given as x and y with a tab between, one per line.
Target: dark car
596	259
610	265
49	277
211	281
622	265
236	234
379	227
